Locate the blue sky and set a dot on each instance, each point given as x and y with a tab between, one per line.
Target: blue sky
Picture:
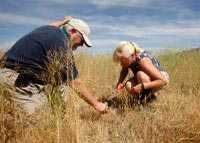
153	24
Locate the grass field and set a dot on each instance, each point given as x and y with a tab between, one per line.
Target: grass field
173	118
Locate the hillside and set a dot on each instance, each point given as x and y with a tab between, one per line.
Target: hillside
173	117
192	51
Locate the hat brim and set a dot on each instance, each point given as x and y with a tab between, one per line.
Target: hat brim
87	41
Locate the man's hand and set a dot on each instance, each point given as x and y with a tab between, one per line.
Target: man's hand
101	107
60	23
67	19
87	96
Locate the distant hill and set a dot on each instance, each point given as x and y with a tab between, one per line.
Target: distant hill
190	51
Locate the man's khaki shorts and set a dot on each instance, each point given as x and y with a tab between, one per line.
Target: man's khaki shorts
30	97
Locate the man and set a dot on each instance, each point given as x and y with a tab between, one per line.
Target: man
26	63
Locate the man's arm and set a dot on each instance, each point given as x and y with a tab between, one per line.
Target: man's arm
60	23
78	86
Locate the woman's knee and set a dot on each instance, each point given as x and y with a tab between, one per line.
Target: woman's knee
128	86
142	77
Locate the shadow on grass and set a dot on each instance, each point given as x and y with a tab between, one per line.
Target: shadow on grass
129	100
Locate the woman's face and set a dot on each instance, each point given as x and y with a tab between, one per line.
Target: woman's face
127	61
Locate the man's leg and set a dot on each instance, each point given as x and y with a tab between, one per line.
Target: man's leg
29	97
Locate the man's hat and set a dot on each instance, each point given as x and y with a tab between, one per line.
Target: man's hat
83	28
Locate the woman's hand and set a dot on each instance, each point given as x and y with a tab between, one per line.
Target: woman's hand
119	87
137	89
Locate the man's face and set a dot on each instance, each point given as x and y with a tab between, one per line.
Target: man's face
77	40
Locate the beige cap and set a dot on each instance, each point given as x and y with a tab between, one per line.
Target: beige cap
83	28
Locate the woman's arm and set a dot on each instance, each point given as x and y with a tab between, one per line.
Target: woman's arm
120	86
157	79
122	76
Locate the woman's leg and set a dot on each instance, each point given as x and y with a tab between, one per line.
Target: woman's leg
138	78
147	95
142	77
130	83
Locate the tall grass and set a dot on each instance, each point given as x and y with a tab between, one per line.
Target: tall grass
174	117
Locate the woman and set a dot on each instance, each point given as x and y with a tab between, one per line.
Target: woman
148	74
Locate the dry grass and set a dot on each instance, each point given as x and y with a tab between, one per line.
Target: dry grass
174	117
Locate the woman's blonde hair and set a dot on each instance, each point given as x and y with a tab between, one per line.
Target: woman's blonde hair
125	49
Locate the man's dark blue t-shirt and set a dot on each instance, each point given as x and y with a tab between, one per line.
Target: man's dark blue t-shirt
31	51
